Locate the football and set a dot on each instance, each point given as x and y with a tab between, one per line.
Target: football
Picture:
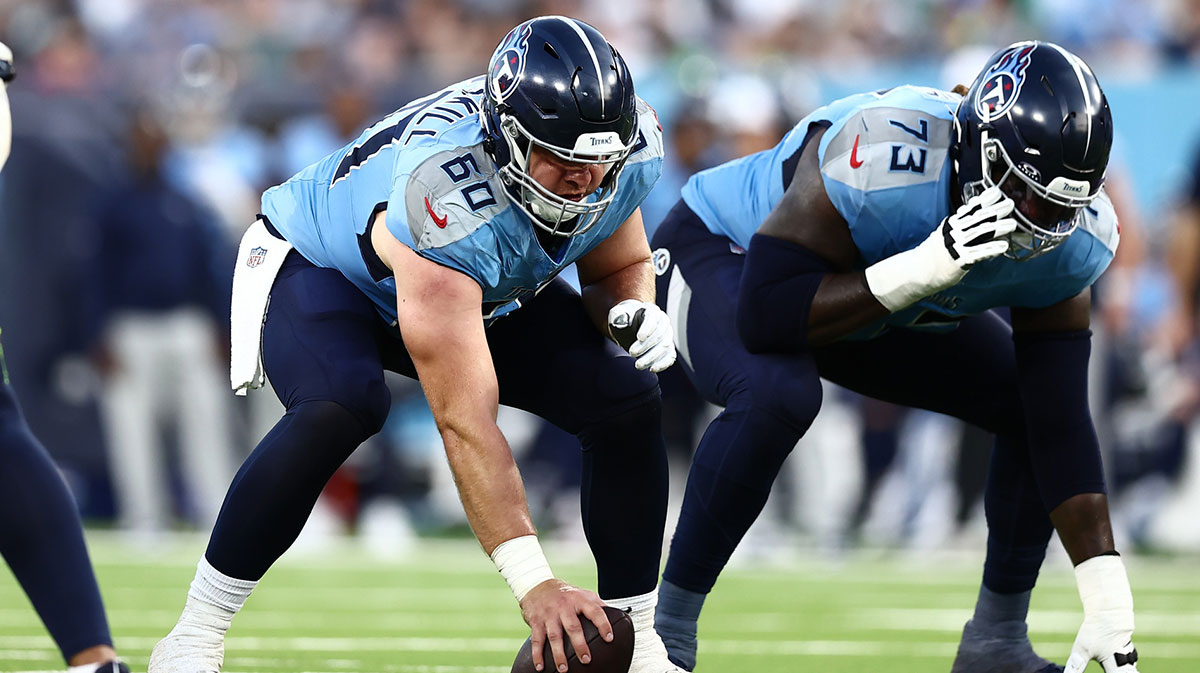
611	657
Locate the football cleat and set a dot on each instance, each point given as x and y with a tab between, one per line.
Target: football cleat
650	655
188	648
1003	648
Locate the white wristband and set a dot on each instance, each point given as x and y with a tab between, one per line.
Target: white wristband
522	564
900	280
1104	586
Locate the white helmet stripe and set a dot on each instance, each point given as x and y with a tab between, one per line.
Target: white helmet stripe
1087	95
592	52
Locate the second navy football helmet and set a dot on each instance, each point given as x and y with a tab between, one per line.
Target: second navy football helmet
1036	123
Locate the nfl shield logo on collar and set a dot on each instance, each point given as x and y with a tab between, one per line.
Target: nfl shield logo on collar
256	257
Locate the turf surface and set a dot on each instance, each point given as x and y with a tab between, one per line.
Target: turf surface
445	610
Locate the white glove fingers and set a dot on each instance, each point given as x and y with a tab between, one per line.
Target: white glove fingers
648	341
1004	227
988	250
658	358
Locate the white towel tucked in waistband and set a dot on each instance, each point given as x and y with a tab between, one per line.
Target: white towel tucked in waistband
259	257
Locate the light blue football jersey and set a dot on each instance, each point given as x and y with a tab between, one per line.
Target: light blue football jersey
425	165
885	162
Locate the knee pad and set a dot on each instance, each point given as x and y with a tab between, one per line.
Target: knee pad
618	390
368	401
789	390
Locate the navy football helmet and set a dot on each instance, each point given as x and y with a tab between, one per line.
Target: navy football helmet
557	84
1036	123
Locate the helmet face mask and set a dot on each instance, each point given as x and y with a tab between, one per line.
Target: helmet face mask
1035	123
557	85
1044	219
554	214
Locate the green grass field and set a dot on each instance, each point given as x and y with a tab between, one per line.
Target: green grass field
447	611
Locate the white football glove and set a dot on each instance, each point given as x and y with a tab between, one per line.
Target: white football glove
971	234
1107	632
644	330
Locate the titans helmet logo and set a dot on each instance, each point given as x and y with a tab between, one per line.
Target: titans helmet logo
1001	84
508	63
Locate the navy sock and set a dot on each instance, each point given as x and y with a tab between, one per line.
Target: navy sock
996	639
624	497
42	540
992	607
275	489
676	619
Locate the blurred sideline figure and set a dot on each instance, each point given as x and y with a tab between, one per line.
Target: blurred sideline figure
889	224
40	534
159	346
431	246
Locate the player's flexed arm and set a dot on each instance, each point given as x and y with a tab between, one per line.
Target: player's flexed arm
1052	347
439	314
802	257
617	279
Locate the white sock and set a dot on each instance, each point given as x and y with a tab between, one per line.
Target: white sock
640	608
211	586
197	643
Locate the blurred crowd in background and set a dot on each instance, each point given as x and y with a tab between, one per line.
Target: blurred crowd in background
145	131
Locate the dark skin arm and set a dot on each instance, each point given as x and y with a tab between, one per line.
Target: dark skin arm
807	217
1082	520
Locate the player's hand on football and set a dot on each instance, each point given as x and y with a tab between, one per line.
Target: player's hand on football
978	229
644	330
1107	639
553	609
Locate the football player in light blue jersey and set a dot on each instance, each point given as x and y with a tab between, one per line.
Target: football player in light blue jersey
431	246
41	537
868	248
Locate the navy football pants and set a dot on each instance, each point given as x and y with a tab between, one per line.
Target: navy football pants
771	399
325	350
41	537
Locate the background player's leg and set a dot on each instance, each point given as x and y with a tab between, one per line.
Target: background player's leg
769	403
42	541
970	373
321	354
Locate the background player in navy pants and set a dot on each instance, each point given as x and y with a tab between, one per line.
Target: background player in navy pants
870	246
41	538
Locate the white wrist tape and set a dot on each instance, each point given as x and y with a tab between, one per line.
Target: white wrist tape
522	564
905	277
1104	586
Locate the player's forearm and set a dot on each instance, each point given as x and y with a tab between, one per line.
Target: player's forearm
842	305
489	485
1083	526
635	281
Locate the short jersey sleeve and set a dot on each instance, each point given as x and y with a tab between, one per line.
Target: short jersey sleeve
440	206
885	166
643	168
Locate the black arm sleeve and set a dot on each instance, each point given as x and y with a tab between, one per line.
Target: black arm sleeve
1052	378
779	281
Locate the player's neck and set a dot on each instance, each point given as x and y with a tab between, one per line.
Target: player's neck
552	245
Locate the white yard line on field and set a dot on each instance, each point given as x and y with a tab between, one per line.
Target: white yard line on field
1156	649
1064	622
